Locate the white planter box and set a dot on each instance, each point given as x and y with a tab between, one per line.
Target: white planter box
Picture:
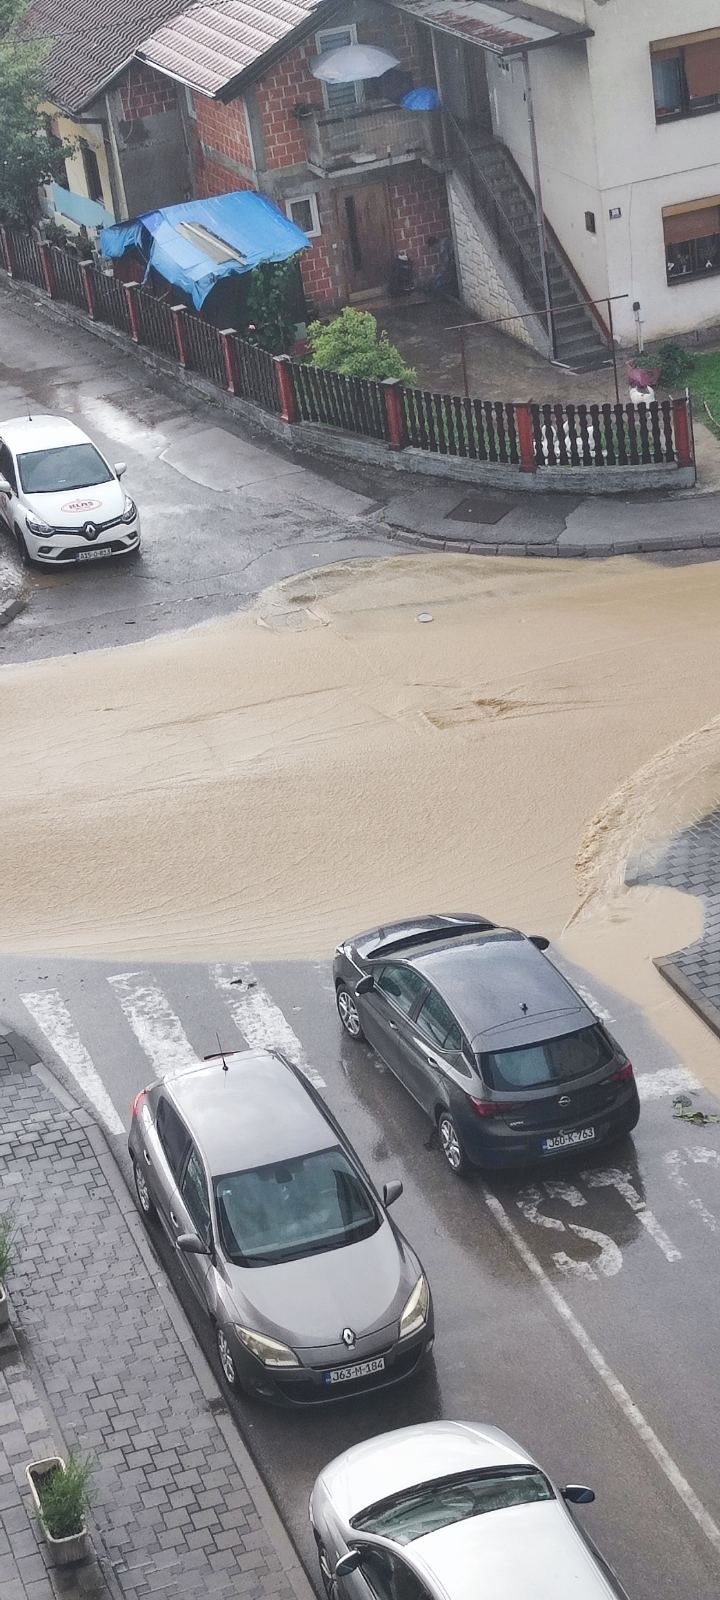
4	1307
63	1551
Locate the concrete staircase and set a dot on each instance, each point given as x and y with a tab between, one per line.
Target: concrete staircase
580	343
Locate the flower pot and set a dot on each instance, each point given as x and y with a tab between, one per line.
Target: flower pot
75	1547
4	1307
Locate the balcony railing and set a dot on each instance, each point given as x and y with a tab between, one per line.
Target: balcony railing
369	134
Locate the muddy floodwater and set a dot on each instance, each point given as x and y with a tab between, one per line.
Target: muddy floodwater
267	784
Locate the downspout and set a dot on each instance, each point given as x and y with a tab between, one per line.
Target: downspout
539	214
116	169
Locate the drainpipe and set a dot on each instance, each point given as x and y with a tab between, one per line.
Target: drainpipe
542	241
116	163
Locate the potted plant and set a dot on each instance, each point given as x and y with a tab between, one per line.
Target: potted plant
6	1237
60	1491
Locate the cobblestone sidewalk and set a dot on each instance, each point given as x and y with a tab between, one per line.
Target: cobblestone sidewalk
106	1361
691	862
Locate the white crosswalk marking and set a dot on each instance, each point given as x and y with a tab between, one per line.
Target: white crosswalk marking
154	1023
257	1017
49	1011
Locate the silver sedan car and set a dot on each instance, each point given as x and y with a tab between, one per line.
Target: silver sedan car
451	1511
312	1291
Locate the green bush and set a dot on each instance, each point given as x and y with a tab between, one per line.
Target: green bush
269	311
676	365
352	345
65	1496
7	1231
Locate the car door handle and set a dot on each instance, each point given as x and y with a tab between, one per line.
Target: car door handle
394	1027
174	1221
146	1156
433	1060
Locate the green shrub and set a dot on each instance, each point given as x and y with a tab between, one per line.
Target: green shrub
352	345
7	1231
676	365
269	311
65	1496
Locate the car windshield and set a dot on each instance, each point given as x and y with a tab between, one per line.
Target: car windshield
293	1208
70	466
430	1506
533	1066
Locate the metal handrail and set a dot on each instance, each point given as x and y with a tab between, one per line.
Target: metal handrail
497	217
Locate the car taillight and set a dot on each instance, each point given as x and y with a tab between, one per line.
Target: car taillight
491	1108
137	1102
622	1073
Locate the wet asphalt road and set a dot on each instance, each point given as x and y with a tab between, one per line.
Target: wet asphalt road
598	1349
222	516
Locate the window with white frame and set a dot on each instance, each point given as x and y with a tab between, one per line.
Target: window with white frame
302	209
339	96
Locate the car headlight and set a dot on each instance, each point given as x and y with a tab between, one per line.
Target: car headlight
38	527
129	510
270	1351
415	1314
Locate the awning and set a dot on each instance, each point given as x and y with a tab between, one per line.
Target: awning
196	244
506	27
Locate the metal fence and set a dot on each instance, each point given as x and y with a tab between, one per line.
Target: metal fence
205	350
27	257
110	299
357	405
604	435
256	375
450	425
68	277
156	323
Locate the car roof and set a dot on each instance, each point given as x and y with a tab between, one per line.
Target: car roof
525	1552
390	1462
500	987
38	433
257	1112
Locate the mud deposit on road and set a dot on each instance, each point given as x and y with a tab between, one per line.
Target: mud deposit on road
268	783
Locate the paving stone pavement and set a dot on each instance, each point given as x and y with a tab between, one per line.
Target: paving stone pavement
107	1362
690	861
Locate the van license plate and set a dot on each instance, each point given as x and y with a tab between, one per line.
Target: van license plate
361	1369
561	1141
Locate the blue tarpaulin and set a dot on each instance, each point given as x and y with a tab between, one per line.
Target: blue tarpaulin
196	244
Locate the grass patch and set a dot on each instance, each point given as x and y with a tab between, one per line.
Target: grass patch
704	385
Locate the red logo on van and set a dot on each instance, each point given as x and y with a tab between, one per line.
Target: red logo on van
81	505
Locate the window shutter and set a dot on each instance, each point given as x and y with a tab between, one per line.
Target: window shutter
687	225
702	68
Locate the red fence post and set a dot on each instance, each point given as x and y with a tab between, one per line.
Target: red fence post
526	438
286	388
8	251
231	368
88	288
179	314
684	453
393	413
133	310
48	266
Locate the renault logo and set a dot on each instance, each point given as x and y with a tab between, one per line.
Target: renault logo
90	531
348	1337
564	1100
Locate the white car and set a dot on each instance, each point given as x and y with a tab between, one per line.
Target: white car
451	1511
61	500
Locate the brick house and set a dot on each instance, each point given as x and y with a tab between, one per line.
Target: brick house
362	176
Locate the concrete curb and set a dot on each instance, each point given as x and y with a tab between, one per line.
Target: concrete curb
12	608
689	992
436	541
107	1159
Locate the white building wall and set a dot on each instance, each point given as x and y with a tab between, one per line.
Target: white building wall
601	149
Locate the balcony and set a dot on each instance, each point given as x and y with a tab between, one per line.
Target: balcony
370	136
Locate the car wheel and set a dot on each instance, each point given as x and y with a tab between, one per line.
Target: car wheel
226	1359
23	551
451	1144
348	1012
145	1201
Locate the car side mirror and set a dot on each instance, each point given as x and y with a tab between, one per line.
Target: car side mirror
190	1245
578	1494
5	486
120	468
392	1192
347	1564
539	941
365	984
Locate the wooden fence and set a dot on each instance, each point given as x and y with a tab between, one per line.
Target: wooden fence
524	437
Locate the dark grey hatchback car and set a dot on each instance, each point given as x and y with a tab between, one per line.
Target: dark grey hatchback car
489	1038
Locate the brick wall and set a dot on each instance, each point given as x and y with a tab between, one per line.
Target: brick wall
420	216
144	93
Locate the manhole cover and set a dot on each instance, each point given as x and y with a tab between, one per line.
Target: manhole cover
479	508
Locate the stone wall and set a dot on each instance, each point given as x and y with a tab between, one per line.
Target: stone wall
487	285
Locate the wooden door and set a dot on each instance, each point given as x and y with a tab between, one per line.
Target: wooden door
364	216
